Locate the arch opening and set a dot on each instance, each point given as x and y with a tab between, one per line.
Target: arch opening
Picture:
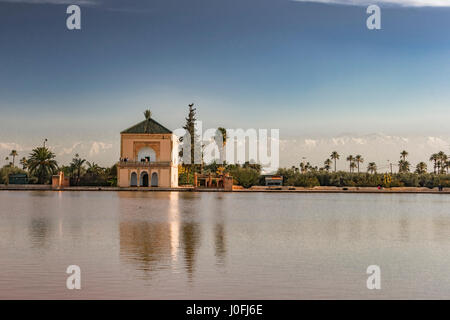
133	179
146	154
144	179
154	179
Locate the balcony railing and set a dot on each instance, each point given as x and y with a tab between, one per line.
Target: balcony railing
143	164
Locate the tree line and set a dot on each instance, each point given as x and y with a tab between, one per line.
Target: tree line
41	164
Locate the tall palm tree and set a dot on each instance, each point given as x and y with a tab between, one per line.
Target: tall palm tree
24	163
358	159
335	156
442	158
351	160
403	166
42	163
403	155
302	167
421	168
148	115
434	157
327	164
222	132
372	167
353	166
13	154
77	165
444	163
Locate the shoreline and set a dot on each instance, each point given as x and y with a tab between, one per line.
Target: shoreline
399	190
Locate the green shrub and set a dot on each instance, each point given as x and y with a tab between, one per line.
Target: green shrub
303	180
245	177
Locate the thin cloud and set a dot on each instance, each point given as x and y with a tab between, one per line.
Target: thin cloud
10	146
69	150
98	147
402	3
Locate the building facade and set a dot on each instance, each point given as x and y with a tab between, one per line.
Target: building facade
148	156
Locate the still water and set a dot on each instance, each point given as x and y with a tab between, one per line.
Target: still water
186	245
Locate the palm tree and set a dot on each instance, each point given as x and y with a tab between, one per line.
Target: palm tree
421	168
93	168
24	163
351	160
372	167
353	166
447	165
434	157
13	154
444	163
335	156
77	164
403	166
403	155
358	159
222	132
42	163
308	166
302	167
442	158
148	115
327	164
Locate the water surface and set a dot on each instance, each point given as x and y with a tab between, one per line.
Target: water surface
186	245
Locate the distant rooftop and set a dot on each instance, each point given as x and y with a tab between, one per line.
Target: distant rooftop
153	128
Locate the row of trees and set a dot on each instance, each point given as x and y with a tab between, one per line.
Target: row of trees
248	175
41	165
347	179
441	164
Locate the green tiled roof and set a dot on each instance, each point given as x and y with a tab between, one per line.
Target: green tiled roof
153	127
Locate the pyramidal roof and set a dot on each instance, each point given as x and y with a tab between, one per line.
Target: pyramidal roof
153	127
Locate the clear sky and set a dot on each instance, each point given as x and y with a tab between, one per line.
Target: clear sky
311	69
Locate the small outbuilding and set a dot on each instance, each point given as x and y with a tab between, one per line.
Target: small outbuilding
21	178
274	181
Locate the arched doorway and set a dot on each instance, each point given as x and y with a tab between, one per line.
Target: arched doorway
146	154
154	179
144	179
133	179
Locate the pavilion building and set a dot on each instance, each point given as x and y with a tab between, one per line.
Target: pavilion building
148	156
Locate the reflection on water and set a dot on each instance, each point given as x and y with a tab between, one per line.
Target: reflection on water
190	235
221	250
223	245
146	244
39	230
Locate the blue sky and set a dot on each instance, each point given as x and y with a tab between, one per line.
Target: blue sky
310	69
